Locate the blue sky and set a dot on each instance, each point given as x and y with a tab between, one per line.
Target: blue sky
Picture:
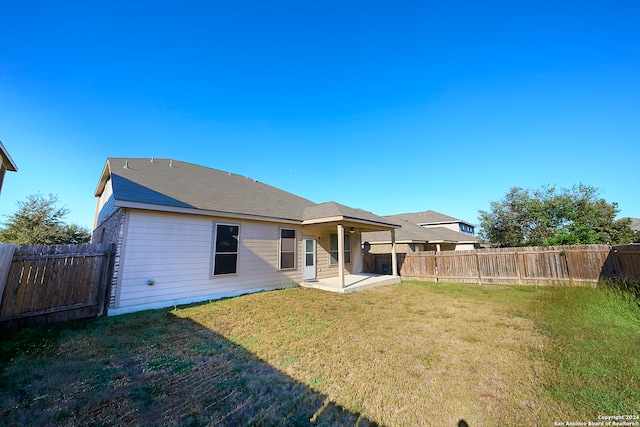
391	107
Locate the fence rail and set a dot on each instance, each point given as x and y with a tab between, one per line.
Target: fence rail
586	264
47	284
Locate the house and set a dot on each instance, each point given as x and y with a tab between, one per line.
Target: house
635	223
6	164
187	233
424	231
432	219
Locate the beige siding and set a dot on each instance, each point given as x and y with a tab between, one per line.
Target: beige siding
385	248
105	206
451	226
323	268
175	251
465	247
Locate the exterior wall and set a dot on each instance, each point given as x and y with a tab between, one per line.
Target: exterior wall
175	251
105	205
109	231
324	269
385	248
455	226
451	226
465	247
112	231
443	247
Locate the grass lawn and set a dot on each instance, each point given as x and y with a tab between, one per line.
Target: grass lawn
405	355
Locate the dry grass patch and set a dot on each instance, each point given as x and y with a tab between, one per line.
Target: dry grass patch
411	354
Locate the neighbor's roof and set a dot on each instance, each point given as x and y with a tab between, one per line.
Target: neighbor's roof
412	233
7	161
428	217
172	185
635	223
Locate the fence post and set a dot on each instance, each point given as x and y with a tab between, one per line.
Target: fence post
618	272
106	274
6	256
566	263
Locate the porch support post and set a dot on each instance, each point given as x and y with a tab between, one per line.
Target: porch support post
394	256
341	254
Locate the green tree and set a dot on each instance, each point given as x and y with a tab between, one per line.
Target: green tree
39	222
550	217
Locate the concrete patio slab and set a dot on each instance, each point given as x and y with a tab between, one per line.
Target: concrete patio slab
352	282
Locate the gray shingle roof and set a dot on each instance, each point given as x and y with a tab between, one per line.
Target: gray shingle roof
635	223
166	184
412	233
427	217
336	210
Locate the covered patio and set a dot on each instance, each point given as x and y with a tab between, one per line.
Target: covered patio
333	248
352	282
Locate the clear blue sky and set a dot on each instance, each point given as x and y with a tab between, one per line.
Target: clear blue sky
390	107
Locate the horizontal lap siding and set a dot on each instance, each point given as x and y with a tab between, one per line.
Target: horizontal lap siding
175	251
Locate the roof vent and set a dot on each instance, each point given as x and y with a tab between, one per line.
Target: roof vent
126	164
170	163
151	159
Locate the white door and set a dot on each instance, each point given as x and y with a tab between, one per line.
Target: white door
309	258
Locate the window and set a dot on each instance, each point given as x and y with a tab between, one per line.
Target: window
287	248
225	249
333	249
466	228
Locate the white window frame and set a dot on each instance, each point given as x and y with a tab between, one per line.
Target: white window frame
213	250
295	247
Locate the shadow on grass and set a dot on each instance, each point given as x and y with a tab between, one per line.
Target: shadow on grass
151	368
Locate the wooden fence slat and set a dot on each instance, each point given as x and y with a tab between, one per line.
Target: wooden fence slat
53	283
585	264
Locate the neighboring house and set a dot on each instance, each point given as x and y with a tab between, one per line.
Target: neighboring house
432	219
635	223
186	233
424	231
6	165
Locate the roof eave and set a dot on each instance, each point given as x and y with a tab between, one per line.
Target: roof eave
10	165
342	218
104	177
388	242
202	212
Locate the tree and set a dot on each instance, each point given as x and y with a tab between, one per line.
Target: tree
39	222
550	217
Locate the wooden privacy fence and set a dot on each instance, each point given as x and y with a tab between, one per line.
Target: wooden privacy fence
47	284
586	264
